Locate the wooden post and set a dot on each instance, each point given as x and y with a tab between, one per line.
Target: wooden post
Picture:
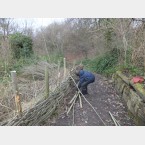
64	62
73	67
46	82
16	93
58	66
58	77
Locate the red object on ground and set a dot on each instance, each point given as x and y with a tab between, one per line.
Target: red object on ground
137	79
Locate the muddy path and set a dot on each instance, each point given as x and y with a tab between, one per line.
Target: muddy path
104	98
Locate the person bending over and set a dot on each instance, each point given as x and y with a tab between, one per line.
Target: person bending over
85	78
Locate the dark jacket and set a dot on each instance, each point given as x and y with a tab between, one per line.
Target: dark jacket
86	76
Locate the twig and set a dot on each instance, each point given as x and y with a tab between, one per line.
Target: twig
87	101
6	107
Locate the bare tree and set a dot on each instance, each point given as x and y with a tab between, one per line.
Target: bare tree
5	30
5	27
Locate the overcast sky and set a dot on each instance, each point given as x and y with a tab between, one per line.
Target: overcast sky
37	22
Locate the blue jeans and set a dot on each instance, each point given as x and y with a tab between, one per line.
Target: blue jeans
84	85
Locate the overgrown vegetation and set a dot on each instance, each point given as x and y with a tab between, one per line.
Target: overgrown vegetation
108	64
103	64
21	45
18	64
102	45
106	45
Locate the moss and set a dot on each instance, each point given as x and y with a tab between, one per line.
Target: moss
140	88
133	94
123	77
138	121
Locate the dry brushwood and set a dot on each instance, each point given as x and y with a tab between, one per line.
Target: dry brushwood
43	109
37	71
31	88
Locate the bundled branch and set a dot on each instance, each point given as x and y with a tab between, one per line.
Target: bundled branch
73	100
42	110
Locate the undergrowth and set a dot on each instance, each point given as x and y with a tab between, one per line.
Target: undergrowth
18	64
103	64
107	64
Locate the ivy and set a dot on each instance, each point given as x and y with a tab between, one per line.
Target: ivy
21	45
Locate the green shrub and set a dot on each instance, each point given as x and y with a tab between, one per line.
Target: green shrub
21	45
107	64
103	64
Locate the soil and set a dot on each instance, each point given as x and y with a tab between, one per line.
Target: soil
104	98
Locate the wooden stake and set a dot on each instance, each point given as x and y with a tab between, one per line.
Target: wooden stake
72	105
64	62
46	82
74	63
73	98
117	121
58	81
113	119
58	77
73	115
58	66
81	106
16	93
